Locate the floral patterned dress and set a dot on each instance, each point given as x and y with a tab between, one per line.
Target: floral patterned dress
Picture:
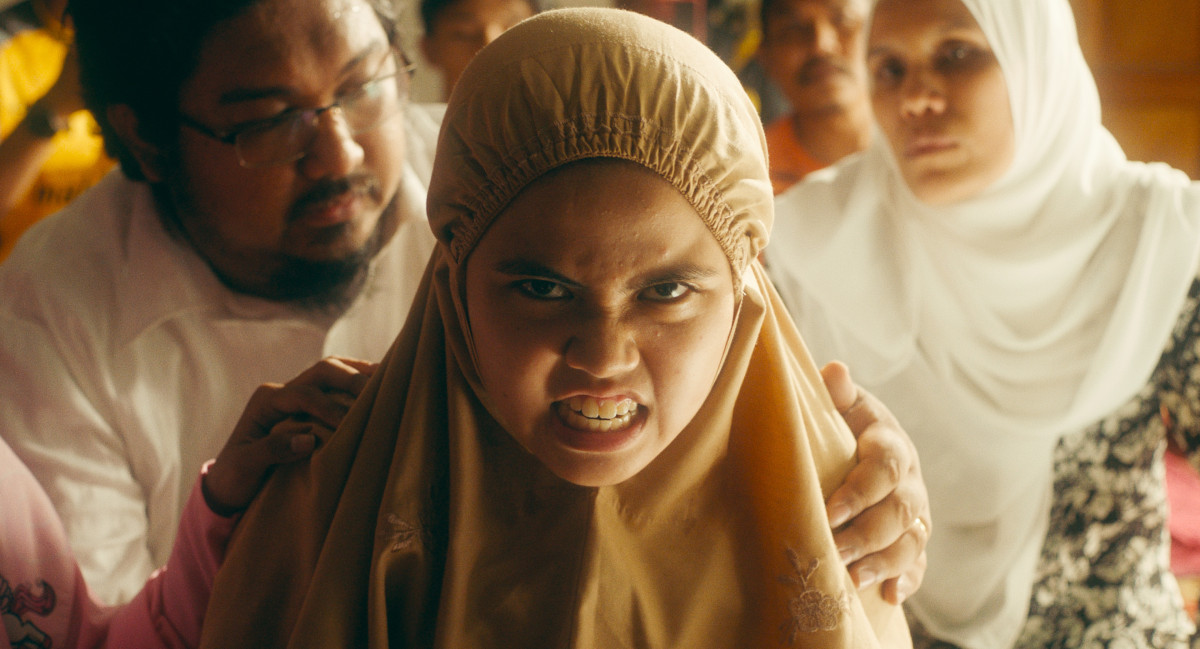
1104	577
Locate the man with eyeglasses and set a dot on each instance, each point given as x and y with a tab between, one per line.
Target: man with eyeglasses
270	213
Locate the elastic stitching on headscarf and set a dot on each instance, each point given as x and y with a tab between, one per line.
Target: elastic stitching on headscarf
586	136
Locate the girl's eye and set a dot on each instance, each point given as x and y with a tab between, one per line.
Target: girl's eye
542	289
667	292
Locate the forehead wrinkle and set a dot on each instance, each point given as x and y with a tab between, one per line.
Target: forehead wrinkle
518	267
671	272
242	94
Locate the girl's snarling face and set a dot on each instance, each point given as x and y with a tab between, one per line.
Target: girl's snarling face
600	306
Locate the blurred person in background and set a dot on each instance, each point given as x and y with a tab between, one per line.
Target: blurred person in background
456	29
813	51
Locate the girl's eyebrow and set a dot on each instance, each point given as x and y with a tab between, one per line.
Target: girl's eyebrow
526	268
682	273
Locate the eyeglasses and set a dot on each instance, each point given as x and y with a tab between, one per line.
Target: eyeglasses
288	137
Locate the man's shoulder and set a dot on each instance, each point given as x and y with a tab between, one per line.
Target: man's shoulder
781	131
90	233
75	260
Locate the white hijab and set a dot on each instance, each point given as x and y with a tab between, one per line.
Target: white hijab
996	325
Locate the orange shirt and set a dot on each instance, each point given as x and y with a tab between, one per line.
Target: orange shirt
789	161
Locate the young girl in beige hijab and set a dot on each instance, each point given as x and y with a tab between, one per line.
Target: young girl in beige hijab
599	428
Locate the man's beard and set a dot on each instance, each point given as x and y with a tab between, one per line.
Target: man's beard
326	286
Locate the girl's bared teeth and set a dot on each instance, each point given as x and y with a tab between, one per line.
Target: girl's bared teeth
593	408
573	415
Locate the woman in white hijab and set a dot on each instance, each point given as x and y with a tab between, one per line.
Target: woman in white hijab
1025	300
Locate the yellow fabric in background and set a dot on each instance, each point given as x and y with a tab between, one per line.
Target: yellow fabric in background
30	62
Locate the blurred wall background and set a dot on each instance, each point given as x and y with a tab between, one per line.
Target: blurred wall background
1146	58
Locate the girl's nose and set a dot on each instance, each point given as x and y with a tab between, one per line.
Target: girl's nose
603	347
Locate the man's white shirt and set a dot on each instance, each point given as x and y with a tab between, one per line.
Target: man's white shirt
126	363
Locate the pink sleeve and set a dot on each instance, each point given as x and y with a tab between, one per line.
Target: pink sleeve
169	610
43	600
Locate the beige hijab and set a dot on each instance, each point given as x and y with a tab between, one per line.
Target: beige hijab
422	523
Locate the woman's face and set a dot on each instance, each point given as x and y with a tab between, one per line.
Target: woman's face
600	306
940	98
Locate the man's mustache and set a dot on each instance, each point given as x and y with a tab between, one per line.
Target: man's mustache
331	190
813	68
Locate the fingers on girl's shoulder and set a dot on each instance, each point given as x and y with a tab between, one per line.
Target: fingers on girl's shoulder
365	367
845	394
338	373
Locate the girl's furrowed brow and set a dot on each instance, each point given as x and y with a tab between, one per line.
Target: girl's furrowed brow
682	273
526	268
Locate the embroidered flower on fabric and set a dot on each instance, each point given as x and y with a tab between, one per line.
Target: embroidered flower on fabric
20	606
401	534
810	610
